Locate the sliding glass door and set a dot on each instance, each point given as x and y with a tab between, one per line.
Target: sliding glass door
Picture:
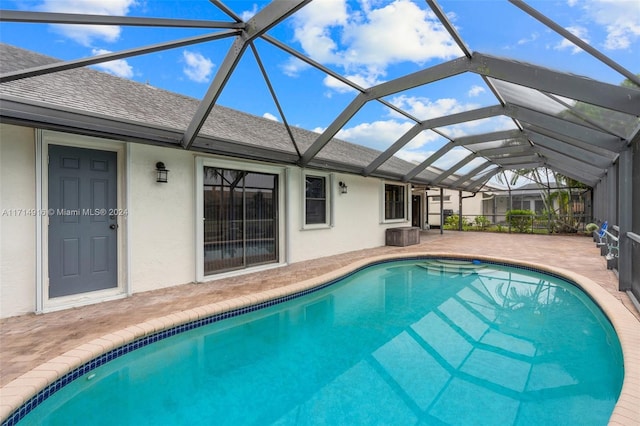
240	219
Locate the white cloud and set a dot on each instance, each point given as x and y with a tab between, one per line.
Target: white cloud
619	18
362	80
475	91
248	14
378	134
293	67
365	42
451	158
424	108
197	68
86	34
580	32
415	157
383	133
269	116
533	37
119	67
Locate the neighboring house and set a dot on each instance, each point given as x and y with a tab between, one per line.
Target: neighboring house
472	205
86	219
496	203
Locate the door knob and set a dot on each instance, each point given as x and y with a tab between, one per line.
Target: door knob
113	226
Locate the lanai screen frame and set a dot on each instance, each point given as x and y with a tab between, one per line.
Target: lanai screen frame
575	146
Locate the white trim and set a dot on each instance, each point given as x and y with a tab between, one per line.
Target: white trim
40	224
199	222
127	219
202	162
407	202
329	192
287	225
67	139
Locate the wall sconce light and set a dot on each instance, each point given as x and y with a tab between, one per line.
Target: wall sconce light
343	187
162	172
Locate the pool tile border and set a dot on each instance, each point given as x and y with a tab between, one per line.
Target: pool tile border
26	392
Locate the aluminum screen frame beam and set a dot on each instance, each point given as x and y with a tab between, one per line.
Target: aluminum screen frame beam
497	152
559	126
576	40
473	173
476	114
568	161
569	141
451	170
475	185
569	150
93	60
429	75
88	19
609	96
463	142
574	174
271	15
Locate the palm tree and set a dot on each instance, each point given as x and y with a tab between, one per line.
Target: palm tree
557	201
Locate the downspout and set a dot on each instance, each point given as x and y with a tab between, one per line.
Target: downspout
459	210
460	197
441	211
510	200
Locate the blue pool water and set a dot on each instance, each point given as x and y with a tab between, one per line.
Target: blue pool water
398	343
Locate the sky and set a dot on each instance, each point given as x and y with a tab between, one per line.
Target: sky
367	41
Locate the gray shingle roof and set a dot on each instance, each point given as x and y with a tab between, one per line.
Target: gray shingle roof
90	91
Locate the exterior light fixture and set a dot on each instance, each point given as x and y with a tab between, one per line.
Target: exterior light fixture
343	187
162	172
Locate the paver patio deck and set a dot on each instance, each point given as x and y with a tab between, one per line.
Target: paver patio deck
29	340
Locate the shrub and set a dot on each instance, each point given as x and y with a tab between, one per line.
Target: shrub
590	227
520	220
481	222
453	221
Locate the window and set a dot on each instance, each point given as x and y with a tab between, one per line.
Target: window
240	219
394	202
317	200
436	198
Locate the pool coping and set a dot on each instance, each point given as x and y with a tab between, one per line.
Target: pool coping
626	412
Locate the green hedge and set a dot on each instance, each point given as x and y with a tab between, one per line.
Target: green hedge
520	220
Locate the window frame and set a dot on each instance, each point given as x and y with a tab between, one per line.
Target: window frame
405	203
281	172
328	199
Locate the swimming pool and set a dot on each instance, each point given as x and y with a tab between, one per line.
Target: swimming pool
420	340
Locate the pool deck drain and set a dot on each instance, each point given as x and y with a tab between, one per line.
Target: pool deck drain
37	349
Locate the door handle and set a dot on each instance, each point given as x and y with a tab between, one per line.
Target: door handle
113	226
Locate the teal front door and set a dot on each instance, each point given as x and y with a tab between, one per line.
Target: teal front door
82	220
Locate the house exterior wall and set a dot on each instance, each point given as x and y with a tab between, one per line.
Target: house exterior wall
17	220
471	206
357	218
158	231
161	218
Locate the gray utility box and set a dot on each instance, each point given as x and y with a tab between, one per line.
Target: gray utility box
405	236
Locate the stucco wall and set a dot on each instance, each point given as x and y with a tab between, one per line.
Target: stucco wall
158	233
17	221
357	219
161	218
471	206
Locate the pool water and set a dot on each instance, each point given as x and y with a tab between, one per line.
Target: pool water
406	342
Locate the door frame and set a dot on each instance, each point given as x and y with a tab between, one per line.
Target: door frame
417	200
44	138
